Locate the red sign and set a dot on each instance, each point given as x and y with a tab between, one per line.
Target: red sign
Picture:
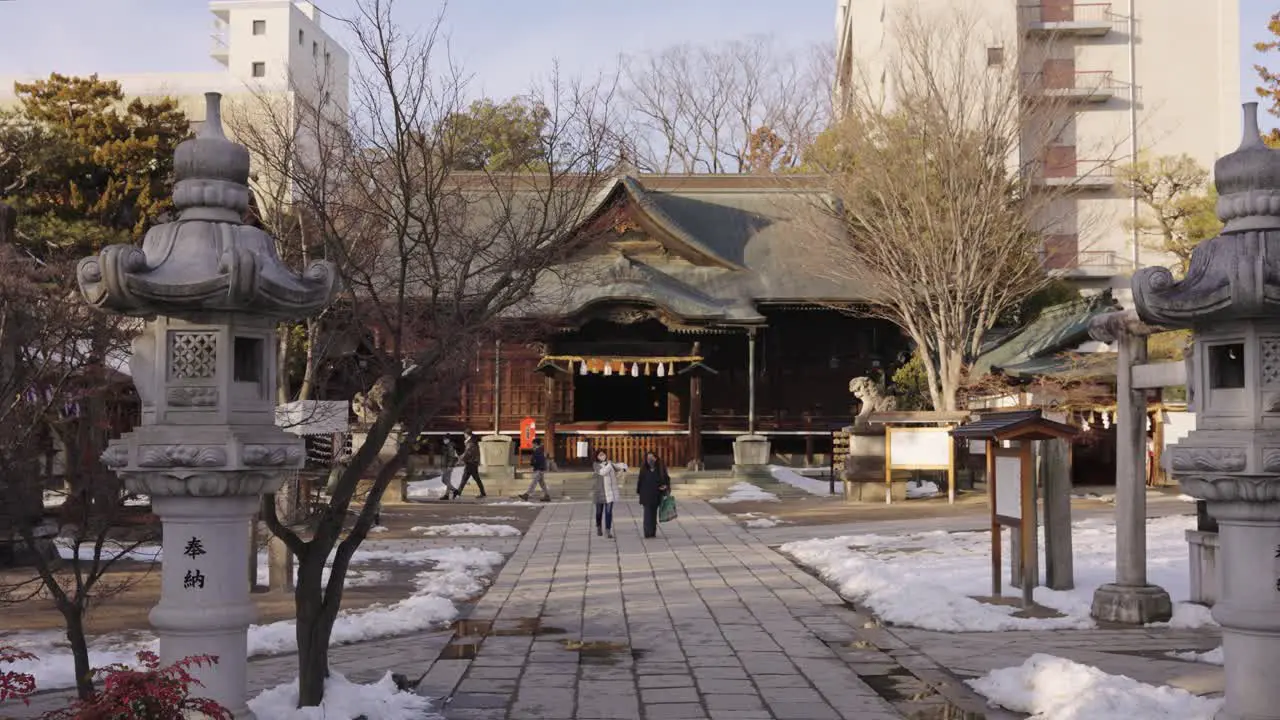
527	432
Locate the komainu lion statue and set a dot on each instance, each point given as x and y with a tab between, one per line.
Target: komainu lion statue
873	400
368	405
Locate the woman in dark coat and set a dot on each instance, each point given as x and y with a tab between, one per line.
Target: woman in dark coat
654	484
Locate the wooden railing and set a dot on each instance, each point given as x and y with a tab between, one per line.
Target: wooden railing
671	449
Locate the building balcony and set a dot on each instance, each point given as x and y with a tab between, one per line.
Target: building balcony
1096	86
1061	257
1062	17
1060	170
220	48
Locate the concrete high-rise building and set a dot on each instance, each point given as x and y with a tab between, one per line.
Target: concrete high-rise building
1145	78
268	49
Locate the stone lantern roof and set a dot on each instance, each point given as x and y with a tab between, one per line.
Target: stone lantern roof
208	260
1236	275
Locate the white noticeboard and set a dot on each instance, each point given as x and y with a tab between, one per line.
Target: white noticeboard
920	448
582	449
1009	487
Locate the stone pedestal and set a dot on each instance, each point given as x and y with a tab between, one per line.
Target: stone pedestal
204	606
495	457
1131	604
751	456
1203	551
864	469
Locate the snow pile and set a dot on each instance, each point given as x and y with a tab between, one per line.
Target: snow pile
345	699
459	575
1211	657
518	503
745	492
355	578
791	477
890	574
432	488
468	529
54	668
921	489
377	529
111	550
1051	688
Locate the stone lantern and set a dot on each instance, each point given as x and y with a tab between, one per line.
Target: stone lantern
210	289
1230	298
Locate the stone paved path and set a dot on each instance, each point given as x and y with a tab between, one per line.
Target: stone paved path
702	622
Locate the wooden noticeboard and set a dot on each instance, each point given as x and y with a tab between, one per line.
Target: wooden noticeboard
919	448
1011	483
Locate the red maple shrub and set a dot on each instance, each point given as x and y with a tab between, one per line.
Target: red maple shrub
150	693
15	685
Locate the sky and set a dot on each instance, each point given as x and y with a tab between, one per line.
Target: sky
504	44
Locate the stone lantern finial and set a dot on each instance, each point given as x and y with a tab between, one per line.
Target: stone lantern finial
1237	274
207	260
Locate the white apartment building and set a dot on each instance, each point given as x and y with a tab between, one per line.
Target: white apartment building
265	48
1146	77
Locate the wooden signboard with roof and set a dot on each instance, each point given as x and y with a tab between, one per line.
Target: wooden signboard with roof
1011	486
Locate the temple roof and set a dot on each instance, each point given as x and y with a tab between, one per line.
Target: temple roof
1058	329
729	243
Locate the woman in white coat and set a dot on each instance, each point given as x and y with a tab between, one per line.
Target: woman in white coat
604	491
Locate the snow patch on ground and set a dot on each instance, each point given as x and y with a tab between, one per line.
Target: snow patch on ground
789	476
432	488
517	503
459	574
468	529
745	492
488	518
759	520
376	529
894	574
345	699
1210	657
1051	688
111	550
917	489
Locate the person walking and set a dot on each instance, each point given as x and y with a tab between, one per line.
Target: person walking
653	485
470	465
539	464
449	456
604	491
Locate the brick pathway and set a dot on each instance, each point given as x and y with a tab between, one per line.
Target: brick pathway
702	622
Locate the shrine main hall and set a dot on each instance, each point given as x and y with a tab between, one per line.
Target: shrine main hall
708	307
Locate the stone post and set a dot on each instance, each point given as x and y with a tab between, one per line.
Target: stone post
1130	599
211	290
1230	298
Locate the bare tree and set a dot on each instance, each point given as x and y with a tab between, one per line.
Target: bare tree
59	393
434	261
949	180
713	109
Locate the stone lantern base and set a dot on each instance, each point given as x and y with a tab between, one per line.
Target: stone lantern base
1131	604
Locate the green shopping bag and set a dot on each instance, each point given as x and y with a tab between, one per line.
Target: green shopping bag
667	510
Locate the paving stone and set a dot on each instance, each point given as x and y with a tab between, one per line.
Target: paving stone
675	711
730	687
479	700
664	681
669	695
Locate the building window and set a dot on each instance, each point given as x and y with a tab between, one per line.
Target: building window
259	27
259	69
299	37
995	56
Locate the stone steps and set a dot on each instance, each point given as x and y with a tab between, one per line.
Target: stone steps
577	484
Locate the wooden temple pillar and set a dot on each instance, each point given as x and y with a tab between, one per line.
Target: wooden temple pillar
549	420
696	370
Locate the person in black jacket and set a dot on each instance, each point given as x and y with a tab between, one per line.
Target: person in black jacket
539	465
654	484
470	465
